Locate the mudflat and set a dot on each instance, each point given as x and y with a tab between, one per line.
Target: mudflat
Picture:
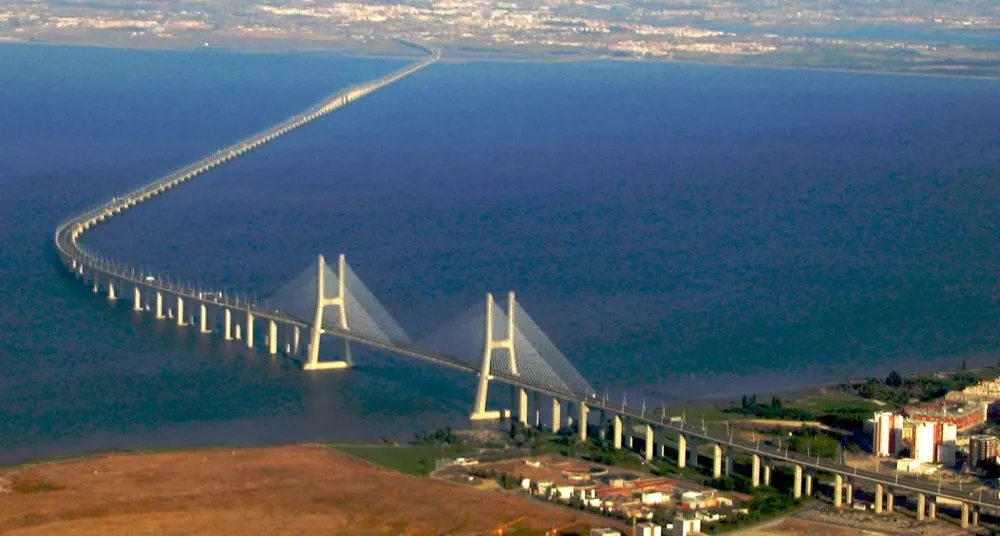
302	489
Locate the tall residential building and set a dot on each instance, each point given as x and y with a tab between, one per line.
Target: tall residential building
947	446
887	439
982	448
924	444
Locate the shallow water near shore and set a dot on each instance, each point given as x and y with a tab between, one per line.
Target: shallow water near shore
679	231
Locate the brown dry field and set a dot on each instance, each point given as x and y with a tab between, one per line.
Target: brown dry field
303	489
791	526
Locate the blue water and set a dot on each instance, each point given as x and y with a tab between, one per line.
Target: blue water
678	230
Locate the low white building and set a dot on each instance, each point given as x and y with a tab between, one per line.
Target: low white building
648	529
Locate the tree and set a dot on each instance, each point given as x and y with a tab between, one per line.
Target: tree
894	379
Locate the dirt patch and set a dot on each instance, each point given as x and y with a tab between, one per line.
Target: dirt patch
798	527
284	490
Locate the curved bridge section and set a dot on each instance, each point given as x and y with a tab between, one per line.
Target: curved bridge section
513	350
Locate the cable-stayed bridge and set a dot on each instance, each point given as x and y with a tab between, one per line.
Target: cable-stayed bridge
500	344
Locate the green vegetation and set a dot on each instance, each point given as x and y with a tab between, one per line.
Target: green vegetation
810	442
775	410
767	503
897	390
844	414
418	458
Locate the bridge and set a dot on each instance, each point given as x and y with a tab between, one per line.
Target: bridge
501	345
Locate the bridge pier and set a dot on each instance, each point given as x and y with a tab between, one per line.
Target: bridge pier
180	311
809	484
239	331
159	305
249	334
649	443
295	340
767	473
838	490
921	506
681	451
227	324
716	460
94	279
617	430
521	403
879	498
111	290
582	423
975	516
850	493
556	415
536	400
569	415
932	509
728	468
693	451
272	337
755	470
965	515
797	484
203	320
629	433
890	501
136	298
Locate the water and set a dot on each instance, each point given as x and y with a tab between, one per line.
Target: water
912	33
678	230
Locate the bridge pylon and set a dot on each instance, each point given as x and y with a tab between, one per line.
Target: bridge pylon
479	412
322	302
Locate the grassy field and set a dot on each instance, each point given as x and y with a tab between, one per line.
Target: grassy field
410	459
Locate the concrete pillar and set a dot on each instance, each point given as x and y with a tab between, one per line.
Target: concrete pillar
682	445
617	425
809	484
180	311
879	498
203	320
755	470
583	422
629	433
716	461
111	290
97	287
767	474
295	340
921	505
850	493
557	416
136	299
159	305
693	451
537	402
797	484
604	419
932	509
249	329
975	516
239	331
661	448
889	501
227	324
569	414
521	401
965	515
272	337
838	490
728	467
649	443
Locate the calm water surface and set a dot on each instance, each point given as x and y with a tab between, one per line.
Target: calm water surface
678	230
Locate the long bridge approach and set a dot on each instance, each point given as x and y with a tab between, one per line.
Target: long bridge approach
499	345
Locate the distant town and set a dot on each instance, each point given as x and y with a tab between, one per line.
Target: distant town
941	426
918	37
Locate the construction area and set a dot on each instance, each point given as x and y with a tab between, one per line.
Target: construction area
304	489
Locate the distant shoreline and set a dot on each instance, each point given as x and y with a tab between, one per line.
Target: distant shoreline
344	50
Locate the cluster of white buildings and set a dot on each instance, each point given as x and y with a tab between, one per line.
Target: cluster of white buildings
930	442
